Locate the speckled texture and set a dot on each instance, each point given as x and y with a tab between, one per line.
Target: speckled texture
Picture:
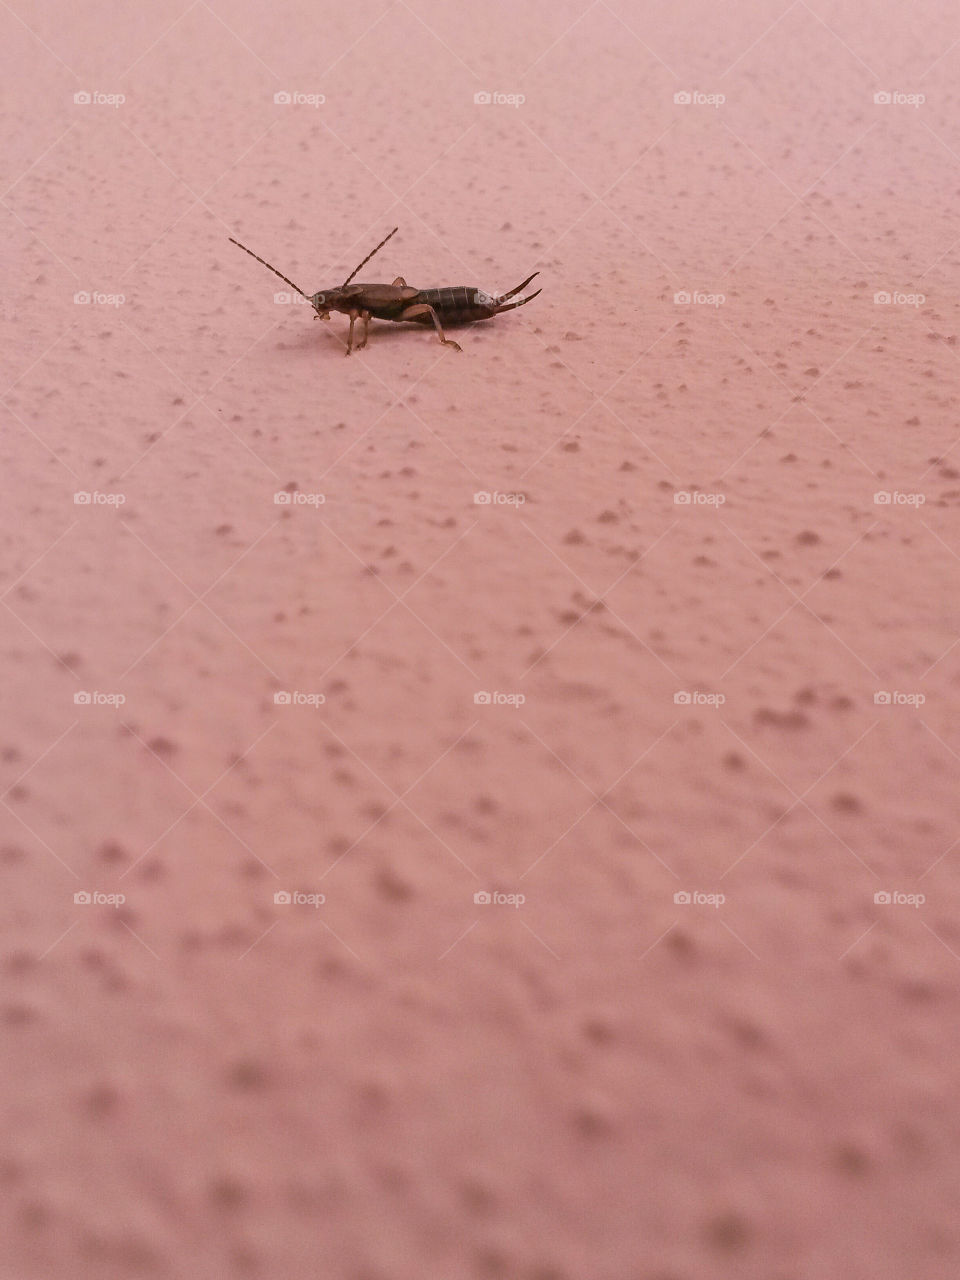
600	1082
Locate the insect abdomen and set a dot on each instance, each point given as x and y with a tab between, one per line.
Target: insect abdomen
460	302
458	298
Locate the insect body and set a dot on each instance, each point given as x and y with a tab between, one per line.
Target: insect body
401	302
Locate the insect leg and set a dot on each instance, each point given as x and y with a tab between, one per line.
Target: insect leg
424	309
353	321
365	317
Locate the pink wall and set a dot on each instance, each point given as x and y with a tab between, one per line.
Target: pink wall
702	1020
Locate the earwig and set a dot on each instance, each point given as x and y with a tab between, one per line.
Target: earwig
401	302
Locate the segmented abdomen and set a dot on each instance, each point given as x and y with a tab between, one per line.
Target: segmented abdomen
460	302
458	298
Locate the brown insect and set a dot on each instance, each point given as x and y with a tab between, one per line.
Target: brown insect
399	301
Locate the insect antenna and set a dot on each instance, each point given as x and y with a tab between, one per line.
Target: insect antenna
366	259
273	269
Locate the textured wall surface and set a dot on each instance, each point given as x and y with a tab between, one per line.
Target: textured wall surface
642	964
